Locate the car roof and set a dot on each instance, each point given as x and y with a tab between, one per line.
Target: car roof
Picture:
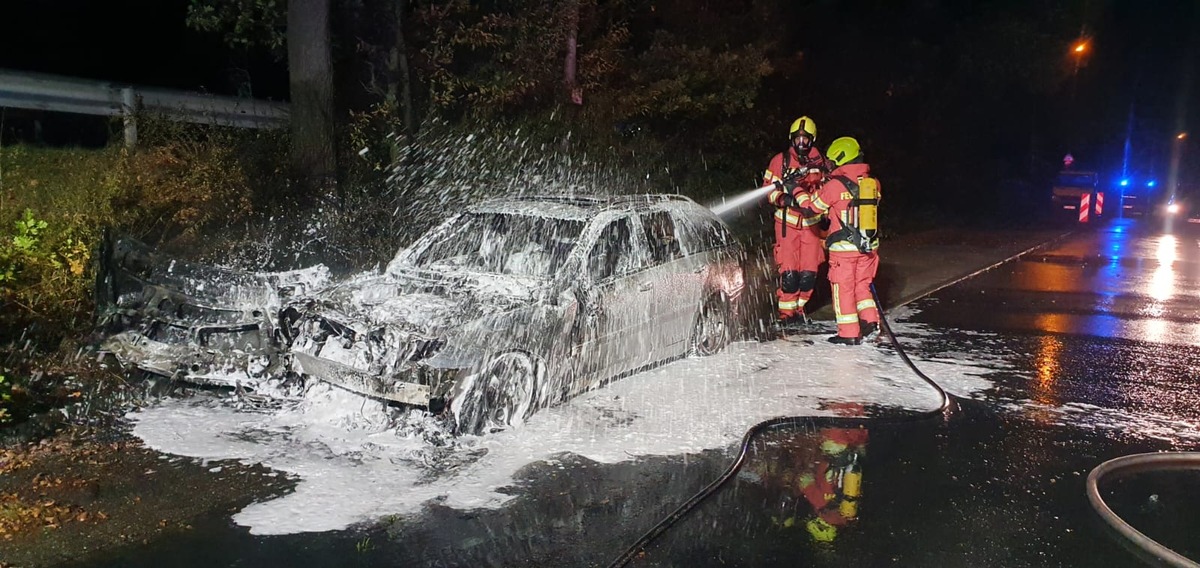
576	207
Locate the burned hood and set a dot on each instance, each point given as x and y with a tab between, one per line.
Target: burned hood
424	302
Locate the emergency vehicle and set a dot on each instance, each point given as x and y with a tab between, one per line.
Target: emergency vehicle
1075	194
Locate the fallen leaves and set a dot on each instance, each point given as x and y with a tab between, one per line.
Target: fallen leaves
18	516
78	493
47	500
11	461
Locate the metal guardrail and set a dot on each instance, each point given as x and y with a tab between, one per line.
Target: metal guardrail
38	91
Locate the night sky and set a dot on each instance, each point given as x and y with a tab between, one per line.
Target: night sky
137	41
1145	60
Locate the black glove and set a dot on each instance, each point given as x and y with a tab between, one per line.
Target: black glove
793	179
787	199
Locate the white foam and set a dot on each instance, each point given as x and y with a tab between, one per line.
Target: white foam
1182	432
729	206
357	461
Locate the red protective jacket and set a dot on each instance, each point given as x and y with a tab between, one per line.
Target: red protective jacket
786	164
834	200
820	487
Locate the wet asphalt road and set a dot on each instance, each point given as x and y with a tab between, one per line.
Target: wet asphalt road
1099	332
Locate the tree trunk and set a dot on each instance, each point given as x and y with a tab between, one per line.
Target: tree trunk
310	76
402	74
398	96
570	82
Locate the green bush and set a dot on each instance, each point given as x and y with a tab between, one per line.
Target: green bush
179	189
181	186
44	267
6	414
53	203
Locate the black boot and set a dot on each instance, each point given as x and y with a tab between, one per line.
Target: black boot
866	328
794	322
839	340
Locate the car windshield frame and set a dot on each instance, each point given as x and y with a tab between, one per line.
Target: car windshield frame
486	242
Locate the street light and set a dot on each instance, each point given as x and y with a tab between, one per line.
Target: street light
1181	136
1080	48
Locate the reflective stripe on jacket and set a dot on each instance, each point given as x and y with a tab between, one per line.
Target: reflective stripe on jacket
777	170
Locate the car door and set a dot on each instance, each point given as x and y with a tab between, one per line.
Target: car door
618	304
677	278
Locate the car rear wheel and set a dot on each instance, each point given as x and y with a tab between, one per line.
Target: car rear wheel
712	331
499	396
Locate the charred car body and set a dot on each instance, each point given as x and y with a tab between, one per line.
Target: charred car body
183	320
510	306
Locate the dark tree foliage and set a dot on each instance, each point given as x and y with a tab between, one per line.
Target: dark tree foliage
965	108
960	105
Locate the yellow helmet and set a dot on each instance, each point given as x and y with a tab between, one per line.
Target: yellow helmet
803	124
832	447
843	150
821	530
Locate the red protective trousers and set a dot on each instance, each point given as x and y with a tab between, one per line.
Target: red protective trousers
850	276
800	250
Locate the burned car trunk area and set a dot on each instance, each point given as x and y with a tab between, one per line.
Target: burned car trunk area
510	306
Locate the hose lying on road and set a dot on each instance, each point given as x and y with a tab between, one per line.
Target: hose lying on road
1138	463
945	409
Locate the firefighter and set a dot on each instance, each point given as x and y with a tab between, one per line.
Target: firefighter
850	198
834	485
816	475
796	171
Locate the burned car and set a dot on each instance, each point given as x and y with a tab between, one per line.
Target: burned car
205	324
507	307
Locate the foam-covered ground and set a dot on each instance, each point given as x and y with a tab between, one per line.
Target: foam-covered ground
357	461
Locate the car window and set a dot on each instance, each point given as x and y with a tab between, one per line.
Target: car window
659	229
613	253
699	232
502	243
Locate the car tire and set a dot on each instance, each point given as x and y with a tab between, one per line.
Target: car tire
713	328
501	395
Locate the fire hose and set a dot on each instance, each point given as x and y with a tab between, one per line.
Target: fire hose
1147	547
945	409
1151	549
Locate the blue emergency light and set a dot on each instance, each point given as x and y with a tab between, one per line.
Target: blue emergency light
1151	183
1124	182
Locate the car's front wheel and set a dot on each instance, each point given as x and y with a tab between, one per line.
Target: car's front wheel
713	331
502	394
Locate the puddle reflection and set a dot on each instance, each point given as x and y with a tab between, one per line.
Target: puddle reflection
818	478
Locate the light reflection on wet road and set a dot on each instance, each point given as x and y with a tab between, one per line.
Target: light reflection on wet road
1120	282
1110	317
1102	332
